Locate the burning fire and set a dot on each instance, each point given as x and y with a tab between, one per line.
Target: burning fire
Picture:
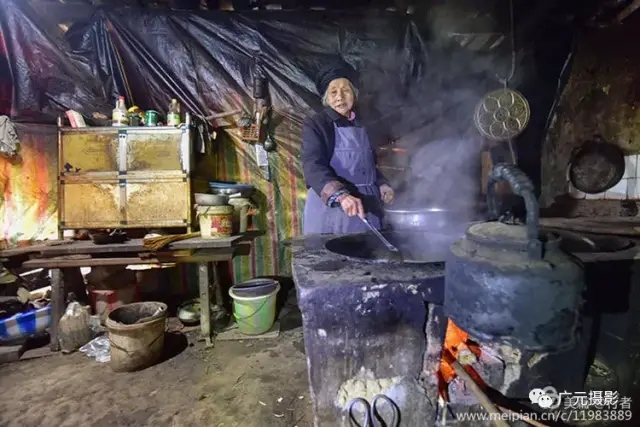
456	342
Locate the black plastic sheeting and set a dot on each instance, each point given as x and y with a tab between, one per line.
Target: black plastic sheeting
205	60
417	85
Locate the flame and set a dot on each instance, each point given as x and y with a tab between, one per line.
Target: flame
456	340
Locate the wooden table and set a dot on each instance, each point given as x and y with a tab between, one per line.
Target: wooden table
61	255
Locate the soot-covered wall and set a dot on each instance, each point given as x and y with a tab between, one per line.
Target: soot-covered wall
601	98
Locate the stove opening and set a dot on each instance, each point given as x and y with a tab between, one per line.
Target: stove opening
457	346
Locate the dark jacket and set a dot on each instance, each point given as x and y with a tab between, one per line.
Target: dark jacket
318	143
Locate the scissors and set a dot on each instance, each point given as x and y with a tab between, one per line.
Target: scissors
372	414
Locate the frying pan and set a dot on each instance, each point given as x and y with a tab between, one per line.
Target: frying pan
596	166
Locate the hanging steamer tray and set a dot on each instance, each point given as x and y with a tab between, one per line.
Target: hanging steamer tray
502	115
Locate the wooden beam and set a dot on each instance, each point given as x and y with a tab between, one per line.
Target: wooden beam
57	248
102	262
200	256
627	11
205	302
57	307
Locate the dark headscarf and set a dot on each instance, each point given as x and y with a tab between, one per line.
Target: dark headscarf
336	70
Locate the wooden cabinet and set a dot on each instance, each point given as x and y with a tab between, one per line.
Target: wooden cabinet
124	177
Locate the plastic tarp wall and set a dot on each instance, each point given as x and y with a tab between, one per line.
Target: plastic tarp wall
205	60
29	186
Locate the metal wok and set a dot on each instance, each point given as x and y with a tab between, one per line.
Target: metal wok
414	247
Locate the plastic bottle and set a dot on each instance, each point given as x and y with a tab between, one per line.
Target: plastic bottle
119	116
173	116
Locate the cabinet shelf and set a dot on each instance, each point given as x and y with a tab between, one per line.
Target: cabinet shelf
124	177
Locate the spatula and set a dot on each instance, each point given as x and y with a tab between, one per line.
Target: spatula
380	236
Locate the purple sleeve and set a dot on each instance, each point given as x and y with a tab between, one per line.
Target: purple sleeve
316	155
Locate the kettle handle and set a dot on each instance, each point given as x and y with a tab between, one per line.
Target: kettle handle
522	186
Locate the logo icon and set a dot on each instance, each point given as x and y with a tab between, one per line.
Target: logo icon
534	395
546	398
545	401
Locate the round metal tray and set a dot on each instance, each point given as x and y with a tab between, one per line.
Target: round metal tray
502	114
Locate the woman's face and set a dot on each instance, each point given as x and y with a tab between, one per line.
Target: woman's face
340	96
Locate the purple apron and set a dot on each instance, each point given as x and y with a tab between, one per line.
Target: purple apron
353	161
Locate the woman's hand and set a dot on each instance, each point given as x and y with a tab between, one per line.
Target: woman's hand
387	194
352	206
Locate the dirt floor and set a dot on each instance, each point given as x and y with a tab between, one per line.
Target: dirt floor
261	383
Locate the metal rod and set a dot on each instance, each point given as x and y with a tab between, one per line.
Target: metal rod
380	236
506	80
513	153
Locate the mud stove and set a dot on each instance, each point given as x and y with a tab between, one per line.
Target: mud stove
373	326
376	325
532	316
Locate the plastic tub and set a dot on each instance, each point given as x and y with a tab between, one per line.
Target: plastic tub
256	314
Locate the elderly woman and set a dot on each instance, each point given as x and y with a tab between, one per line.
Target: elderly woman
339	162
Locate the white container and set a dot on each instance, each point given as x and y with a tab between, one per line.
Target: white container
216	222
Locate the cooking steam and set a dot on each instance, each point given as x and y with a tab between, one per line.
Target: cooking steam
427	105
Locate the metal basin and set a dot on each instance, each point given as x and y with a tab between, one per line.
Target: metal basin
415	247
427	218
203	199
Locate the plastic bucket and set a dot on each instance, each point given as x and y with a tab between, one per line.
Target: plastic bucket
240	213
215	221
254	314
136	335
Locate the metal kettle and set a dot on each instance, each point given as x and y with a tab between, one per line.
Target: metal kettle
511	284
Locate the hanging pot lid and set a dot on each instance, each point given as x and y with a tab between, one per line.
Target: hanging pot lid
507	236
502	114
